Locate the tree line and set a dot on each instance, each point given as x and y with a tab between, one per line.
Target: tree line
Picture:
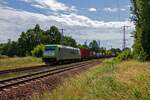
35	37
31	38
141	17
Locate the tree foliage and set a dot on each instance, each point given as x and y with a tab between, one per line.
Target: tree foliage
94	46
9	48
116	51
33	37
125	55
141	11
69	41
84	45
38	50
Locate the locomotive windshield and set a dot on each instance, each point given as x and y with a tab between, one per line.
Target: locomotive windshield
50	48
49	51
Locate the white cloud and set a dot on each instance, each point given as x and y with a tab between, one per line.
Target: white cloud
82	28
111	9
37	6
128	6
114	9
122	9
50	4
92	9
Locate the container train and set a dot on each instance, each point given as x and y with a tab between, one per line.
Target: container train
61	54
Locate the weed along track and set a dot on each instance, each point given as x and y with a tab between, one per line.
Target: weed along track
22	87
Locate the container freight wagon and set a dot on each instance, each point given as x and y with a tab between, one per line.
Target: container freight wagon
85	54
92	55
98	55
59	53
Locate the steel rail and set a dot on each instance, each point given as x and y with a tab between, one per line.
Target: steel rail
15	81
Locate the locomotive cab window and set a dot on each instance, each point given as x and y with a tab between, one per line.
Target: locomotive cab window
50	51
50	48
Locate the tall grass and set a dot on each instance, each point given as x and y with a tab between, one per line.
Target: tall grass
129	80
17	62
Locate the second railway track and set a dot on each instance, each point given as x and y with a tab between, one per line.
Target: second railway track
5	84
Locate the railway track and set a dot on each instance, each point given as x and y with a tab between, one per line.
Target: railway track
5	84
28	69
33	68
18	72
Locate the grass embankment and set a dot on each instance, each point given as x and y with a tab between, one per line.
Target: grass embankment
17	62
128	80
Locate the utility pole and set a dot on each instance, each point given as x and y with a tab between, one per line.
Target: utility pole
62	36
99	43
124	36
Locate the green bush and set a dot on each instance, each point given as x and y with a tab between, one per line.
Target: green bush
141	56
125	55
38	50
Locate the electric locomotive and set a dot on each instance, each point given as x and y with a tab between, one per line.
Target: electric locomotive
59	53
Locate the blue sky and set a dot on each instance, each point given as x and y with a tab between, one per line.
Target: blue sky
81	19
100	14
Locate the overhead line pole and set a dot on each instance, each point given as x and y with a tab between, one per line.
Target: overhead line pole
124	36
62	36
